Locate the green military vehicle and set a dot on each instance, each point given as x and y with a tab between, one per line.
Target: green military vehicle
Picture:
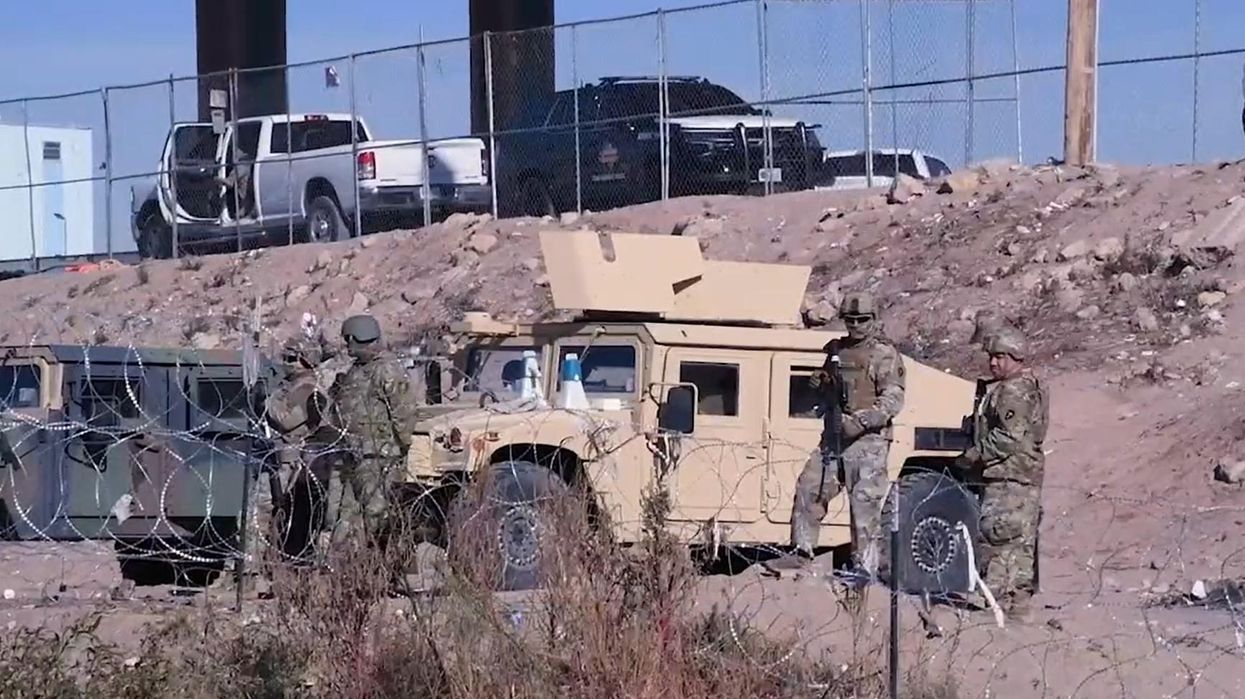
692	370
149	448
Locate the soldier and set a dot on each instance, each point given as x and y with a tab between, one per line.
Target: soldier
1007	459
293	409
873	377
374	410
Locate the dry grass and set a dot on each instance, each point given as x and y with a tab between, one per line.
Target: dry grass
609	622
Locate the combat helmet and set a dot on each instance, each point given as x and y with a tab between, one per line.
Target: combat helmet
360	329
859	312
1007	340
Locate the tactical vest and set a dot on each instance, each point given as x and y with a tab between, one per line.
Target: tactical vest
860	387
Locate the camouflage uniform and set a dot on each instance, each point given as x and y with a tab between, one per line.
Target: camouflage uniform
294	410
873	374
1007	459
374	410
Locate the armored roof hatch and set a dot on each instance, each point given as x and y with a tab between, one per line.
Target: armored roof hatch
666	276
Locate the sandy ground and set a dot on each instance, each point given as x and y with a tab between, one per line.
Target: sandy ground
1136	329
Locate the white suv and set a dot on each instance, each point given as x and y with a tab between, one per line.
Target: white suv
846	169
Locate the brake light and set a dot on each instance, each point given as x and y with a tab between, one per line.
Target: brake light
316	117
367	165
484	162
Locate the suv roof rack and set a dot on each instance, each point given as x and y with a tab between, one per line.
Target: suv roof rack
612	79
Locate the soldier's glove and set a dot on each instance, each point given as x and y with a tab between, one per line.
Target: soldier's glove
852	427
963	463
818	377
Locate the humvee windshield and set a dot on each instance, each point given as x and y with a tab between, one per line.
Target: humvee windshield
606	369
19	386
496	370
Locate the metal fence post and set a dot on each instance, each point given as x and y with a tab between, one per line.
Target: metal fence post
354	150
30	187
579	183
289	172
425	187
233	155
107	173
970	13
663	106
767	138
172	168
866	52
492	125
1020	149
1197	66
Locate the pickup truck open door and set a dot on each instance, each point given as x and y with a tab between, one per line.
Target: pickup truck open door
189	165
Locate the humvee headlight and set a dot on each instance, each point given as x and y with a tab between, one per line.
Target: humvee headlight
455	439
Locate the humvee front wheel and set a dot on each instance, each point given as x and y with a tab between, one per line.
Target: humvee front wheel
500	531
933	556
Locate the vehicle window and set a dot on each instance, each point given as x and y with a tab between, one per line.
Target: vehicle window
19	386
563	111
705	99
883	165
108	401
248	140
937	168
225	399
717	386
313	134
847	165
606	368
801	398
907	165
195	143
496	369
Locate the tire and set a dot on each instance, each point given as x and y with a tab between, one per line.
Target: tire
536	199
500	534
933	557
155	238
324	221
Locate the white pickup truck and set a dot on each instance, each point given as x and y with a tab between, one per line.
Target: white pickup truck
307	172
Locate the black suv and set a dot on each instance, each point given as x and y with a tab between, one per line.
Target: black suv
716	143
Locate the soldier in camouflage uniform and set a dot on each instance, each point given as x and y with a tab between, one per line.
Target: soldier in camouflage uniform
294	410
1007	459
374	411
873	374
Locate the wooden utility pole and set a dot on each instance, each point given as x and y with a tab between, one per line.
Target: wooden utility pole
1081	80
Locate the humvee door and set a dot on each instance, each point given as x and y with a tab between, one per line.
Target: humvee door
721	468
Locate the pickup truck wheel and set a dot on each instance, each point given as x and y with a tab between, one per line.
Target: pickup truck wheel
155	238
499	535
324	221
933	556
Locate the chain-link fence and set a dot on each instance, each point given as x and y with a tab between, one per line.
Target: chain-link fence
741	96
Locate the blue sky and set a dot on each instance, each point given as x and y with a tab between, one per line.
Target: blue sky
1146	112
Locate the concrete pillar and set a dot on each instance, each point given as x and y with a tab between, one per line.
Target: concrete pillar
522	64
242	34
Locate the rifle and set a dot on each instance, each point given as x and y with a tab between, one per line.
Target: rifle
831	424
969	423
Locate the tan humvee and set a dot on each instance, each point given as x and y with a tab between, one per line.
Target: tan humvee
656	318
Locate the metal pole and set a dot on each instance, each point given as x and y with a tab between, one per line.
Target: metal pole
890	22
172	174
1197	64
767	140
866	48
289	174
970	60
492	125
662	106
107	173
30	187
579	187
233	155
425	187
1020	149
354	150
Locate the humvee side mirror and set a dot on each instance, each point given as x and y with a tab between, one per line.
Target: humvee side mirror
678	413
